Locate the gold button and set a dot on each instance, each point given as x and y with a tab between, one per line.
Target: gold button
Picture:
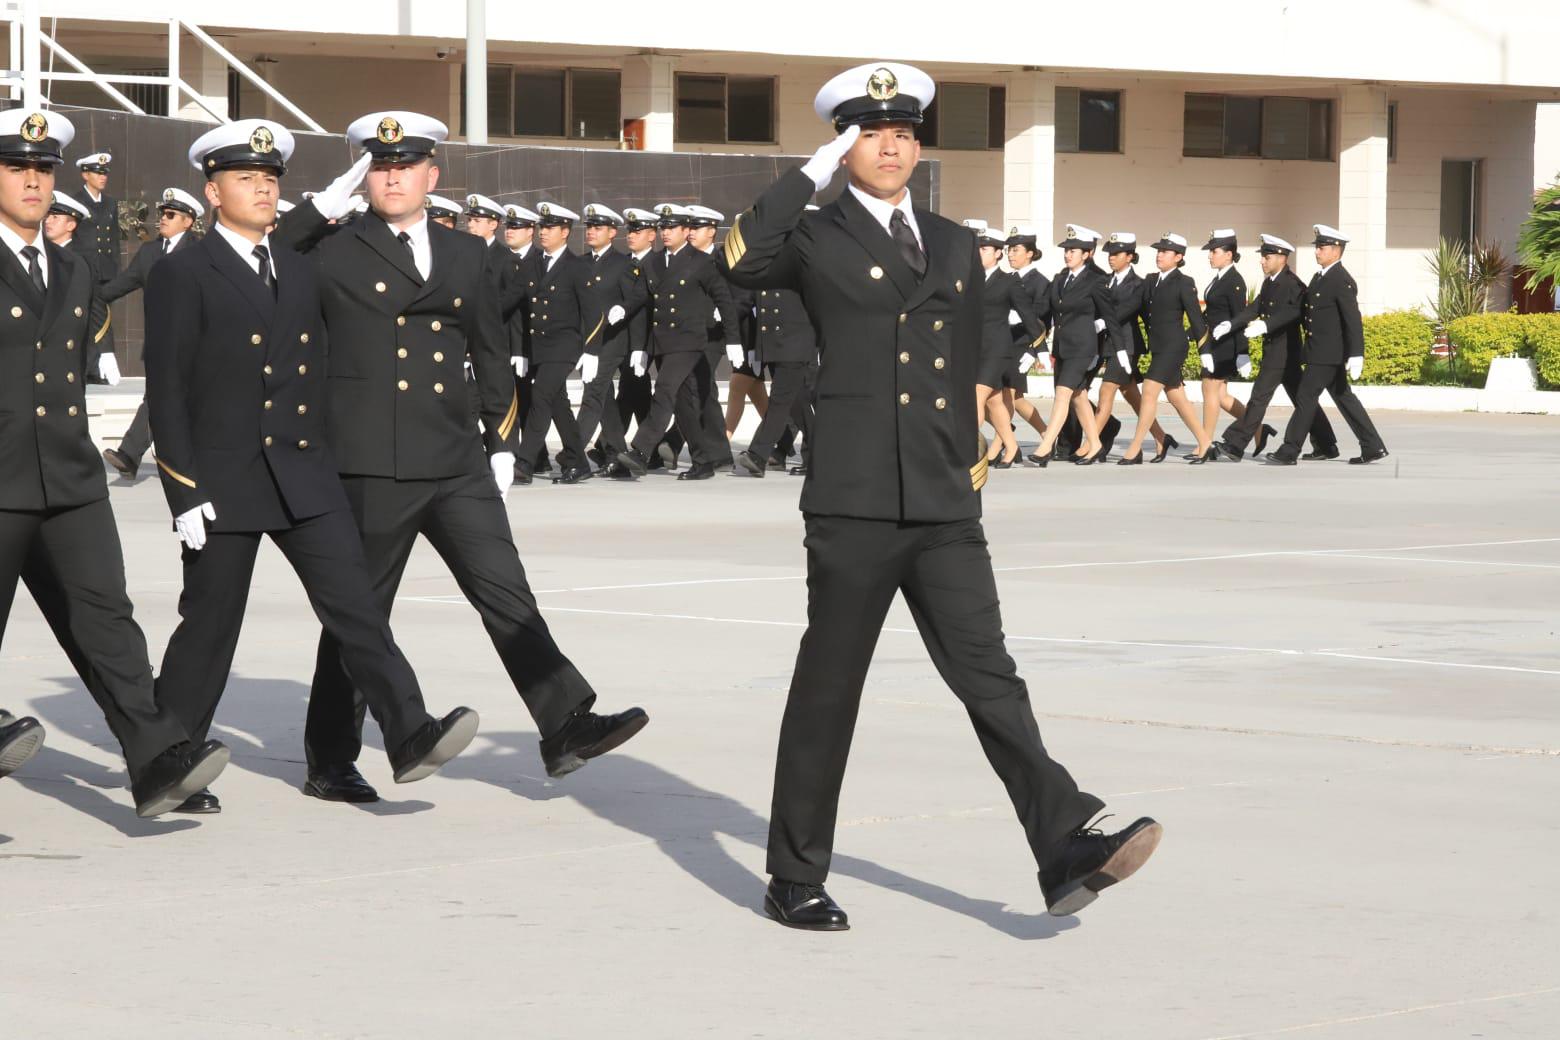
78	312
682	281
70	377
939	364
763	328
876	272
266	370
940	403
457	301
379	286
903	318
401	353
73	410
42	411
402	385
303	337
16	312
38	378
303	370
255	339
303	409
904	357
438	355
958	286
438	388
401	320
437	326
268	406
937	325
904	398
303	445
673	310
268	442
70	344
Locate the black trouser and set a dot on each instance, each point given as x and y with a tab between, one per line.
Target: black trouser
790	402
854	567
711	415
138	437
464	520
72	561
633	394
596	406
1279	367
1308	403
681	382
550	407
325	554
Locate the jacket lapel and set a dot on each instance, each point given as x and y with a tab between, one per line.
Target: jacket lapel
377	234
864	228
938	236
244	279
16	277
65	272
440	254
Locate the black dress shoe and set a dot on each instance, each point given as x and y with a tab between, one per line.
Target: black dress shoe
1278	458
776	460
799	471
654	462
750	463
998	463
1262	438
126	466
1109	432
588	735
1321	454
1035	457
170	778
440	740
1231	452
698	472
667	456
1166	448
596	457
631	460
1062	452
1366	458
1090	861
1208	456
1084	460
796	904
201	803
339	783
617	471
1136	460
574	475
20	739
523	473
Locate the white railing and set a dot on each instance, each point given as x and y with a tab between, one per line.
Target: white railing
24	77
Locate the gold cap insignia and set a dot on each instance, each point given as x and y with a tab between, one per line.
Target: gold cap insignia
262	140
35	127
666	211
1014	231
167	194
390	131
1072	232
544	209
882	85
104	158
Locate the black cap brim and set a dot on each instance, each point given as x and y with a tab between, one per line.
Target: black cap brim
406	150
866	111
1165	243
242	155
17	149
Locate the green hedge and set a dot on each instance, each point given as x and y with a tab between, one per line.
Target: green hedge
1545	331
1481	338
1397	345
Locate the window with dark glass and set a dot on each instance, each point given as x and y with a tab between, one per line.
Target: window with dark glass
1238	126
538	103
1088	120
750	109
965	117
595	104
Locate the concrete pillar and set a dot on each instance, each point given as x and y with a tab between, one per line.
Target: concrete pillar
1029	156
1362	190
649	93
207	75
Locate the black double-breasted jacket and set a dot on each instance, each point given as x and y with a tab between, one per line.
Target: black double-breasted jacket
1002	293
782	329
1038	287
1076	305
100	235
1224	299
615	280
686	289
1171	314
1334	331
1278	302
1127	295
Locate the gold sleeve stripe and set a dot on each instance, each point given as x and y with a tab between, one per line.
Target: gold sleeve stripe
736	248
595	330
1038	340
1204	338
108	319
175	474
508	425
978	473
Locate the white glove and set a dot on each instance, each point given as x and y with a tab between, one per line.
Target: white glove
753	360
715	313
639	361
1013	318
191	526
108	369
1221	330
1257	328
1356	366
734	354
503	463
1124	361
521	363
1243	366
589	365
1207	360
1026	361
616	314
820	168
336	201
1099	324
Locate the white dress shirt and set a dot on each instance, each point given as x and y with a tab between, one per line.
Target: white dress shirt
173	242
245	248
15	244
548	259
883	211
522	252
422	251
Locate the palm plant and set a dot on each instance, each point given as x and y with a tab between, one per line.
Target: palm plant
1538	240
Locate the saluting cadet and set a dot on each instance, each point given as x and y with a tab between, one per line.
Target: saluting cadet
1083	317
235	381
56	527
1001	368
1275	316
686	289
1223	359
404	301
1334	354
177	211
1023	254
443	211
617	290
892	499
786	344
641	229
1171	314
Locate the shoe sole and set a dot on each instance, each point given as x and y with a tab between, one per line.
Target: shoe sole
668	459
21	748
748	466
451	744
198	779
616	739
1126	861
774	912
635	468
196	812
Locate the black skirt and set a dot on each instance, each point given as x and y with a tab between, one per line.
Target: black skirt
1165	367
1114	373
1075	373
999	370
1222	370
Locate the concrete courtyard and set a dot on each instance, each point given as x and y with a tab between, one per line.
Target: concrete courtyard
1337	687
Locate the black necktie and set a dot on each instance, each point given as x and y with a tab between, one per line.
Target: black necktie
547	262
595	257
909	248
1066	282
165	246
406	240
266	277
34	268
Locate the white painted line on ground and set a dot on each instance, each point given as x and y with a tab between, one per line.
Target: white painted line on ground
1395	1013
1436	664
1432	559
